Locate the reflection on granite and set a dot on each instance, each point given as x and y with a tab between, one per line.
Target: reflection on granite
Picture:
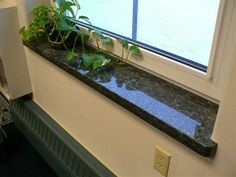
179	113
153	106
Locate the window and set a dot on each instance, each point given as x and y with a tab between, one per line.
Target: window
182	30
196	59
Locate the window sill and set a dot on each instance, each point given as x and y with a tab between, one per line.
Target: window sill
181	114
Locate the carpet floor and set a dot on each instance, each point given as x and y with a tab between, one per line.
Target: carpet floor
23	160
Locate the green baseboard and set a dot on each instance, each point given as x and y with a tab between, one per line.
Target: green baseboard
66	156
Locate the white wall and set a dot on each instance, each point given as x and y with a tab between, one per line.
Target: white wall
119	139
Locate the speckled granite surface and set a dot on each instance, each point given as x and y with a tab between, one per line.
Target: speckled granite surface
182	115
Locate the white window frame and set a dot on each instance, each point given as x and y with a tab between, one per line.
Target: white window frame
208	84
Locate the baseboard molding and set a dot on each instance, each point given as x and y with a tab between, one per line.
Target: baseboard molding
5	117
66	156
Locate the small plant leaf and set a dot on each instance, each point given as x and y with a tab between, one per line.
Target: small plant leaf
134	50
28	34
71	56
65	26
24	34
90	30
87	60
94	61
85	19
22	30
41	22
60	2
77	4
41	11
98	34
107	42
71	11
84	35
100	63
124	43
67	6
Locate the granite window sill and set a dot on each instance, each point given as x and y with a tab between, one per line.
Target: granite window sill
181	114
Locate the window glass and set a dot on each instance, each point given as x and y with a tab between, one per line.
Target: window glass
181	27
114	16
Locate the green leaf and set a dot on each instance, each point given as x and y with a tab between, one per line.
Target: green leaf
67	6
77	4
124	43
24	34
87	60
65	26
134	50
28	34
60	2
41	22
41	11
107	42
71	11
100	63
83	34
85	19
71	56
41	17
98	34
94	61
22	30
90	30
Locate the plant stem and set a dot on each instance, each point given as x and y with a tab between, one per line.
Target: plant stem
53	16
123	49
77	11
127	57
63	41
82	40
75	42
98	45
57	37
65	34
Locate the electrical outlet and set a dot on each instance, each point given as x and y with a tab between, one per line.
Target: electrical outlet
162	160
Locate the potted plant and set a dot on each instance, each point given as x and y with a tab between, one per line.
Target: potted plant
130	49
60	29
99	58
54	23
62	32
